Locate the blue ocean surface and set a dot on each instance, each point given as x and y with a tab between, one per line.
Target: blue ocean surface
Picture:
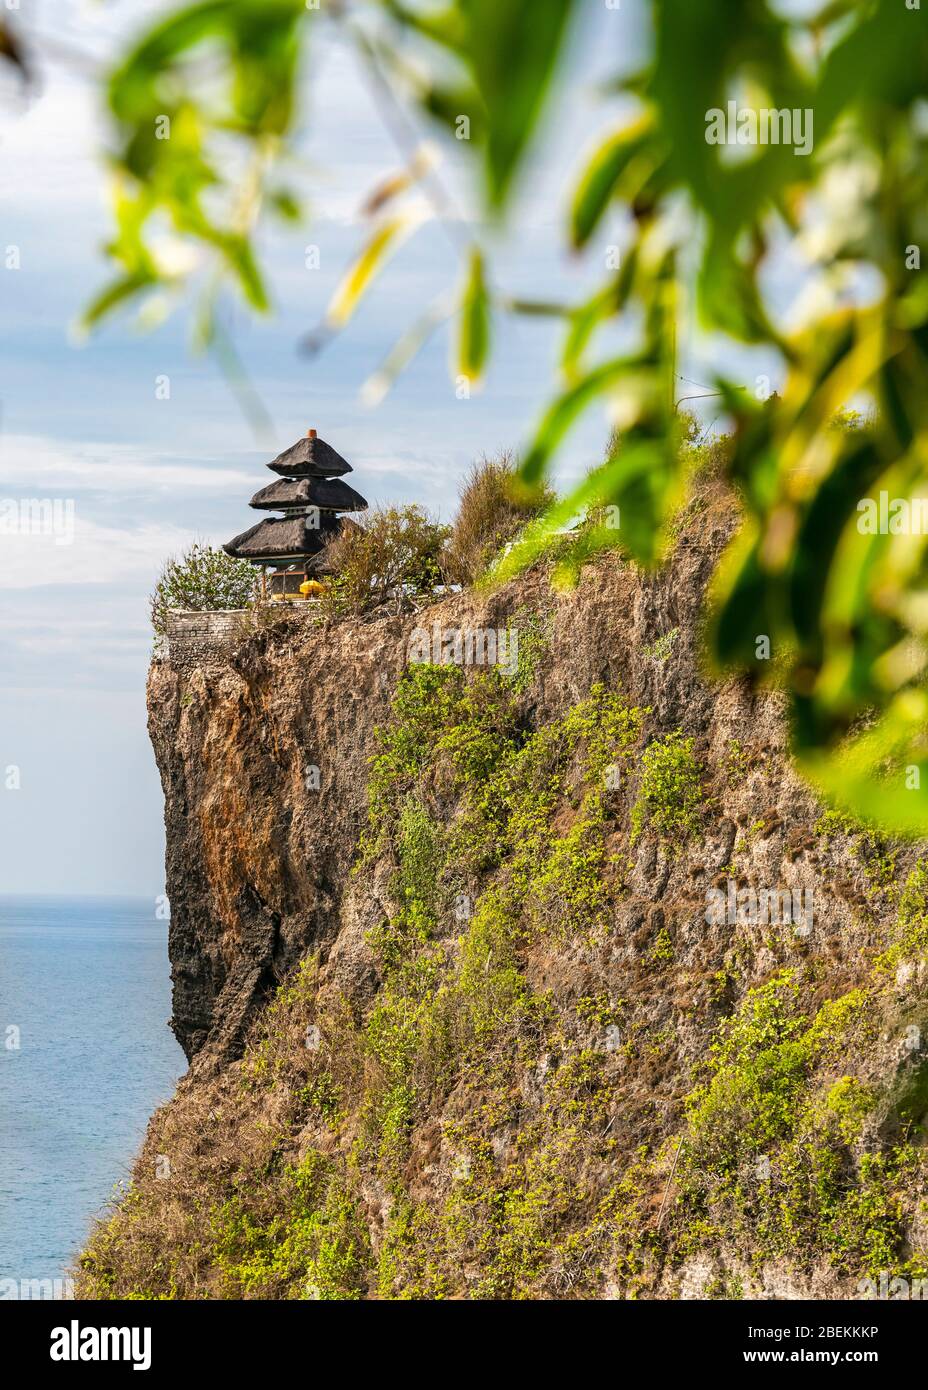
86	981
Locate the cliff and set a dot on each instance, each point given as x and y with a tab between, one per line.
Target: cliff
542	978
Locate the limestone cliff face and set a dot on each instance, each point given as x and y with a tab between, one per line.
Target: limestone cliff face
259	856
263	761
581	1084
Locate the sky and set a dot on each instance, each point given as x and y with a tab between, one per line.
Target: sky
81	422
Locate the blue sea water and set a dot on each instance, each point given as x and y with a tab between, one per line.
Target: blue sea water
86	981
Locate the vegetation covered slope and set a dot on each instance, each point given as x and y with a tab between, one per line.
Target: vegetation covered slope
490	1043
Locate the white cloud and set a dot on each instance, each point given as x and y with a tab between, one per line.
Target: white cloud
35	463
98	555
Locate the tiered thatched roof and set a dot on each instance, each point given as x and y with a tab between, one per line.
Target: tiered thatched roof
310	457
329	494
281	539
310	492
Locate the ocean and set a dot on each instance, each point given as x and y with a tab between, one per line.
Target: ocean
85	1057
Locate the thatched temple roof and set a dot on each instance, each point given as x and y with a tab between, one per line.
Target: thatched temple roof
309	490
309	457
284	538
329	494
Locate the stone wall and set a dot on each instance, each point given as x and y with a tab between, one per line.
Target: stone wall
202	639
199	639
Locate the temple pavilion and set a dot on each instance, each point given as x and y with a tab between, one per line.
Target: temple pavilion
310	493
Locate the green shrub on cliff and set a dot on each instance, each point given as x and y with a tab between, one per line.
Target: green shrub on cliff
394	550
910	939
490	513
773	1146
202	579
311	1245
670	793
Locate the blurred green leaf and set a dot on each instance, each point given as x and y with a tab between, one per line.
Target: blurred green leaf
240	256
741	606
135	86
882	59
635	487
597	184
385	239
832	506
880	774
512	48
565	410
287	204
117	292
474	335
588	317
446	26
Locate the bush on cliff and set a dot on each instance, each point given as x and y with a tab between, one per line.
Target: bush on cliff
396	549
490	514
204	579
